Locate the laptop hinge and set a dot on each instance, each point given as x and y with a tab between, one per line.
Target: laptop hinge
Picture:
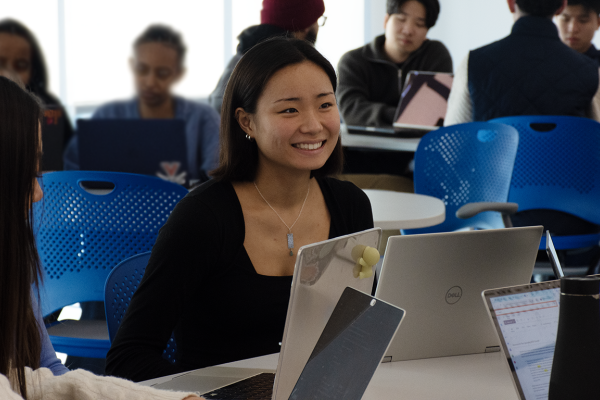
387	359
492	349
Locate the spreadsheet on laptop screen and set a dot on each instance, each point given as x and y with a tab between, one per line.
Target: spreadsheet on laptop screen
528	322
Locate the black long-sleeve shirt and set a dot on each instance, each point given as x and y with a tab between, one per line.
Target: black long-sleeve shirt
201	284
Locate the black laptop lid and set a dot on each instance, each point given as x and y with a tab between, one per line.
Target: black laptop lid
349	349
53	138
141	146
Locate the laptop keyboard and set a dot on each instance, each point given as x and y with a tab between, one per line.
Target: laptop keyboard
259	387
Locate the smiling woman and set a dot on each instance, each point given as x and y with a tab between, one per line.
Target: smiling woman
220	272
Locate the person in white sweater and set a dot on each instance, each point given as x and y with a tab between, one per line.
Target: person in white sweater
23	340
83	385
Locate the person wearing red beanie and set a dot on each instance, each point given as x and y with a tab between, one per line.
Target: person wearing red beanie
292	15
291	18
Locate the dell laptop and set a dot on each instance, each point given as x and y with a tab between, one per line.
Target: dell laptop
438	279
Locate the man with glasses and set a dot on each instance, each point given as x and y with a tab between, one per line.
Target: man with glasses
300	19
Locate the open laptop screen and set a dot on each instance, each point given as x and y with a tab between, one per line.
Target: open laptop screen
424	100
154	147
526	320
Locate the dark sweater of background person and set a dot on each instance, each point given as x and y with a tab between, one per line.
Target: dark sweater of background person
201	283
530	72
370	84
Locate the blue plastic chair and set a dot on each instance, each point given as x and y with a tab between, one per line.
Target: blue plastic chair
121	284
467	166
558	168
81	236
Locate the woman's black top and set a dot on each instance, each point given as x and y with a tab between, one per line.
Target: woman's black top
201	284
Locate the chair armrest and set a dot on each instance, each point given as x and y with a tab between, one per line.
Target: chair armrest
472	209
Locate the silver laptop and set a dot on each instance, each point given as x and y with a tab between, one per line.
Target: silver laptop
322	272
438	279
525	319
423	101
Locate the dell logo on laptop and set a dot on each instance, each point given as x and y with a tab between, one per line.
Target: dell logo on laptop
453	295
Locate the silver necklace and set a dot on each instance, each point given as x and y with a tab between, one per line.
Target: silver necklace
290	235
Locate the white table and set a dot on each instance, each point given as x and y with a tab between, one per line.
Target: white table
396	210
477	377
377	142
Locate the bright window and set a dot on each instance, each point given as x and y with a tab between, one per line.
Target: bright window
41	17
99	37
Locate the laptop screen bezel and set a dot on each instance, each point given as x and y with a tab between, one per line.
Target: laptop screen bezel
553	257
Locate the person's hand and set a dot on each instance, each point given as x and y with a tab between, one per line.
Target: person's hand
193	397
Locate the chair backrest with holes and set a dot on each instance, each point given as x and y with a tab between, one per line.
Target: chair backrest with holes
557	165
121	284
462	164
82	234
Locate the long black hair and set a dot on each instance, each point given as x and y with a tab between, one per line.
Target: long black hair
238	158
20	118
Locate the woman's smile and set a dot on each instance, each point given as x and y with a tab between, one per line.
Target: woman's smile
309	146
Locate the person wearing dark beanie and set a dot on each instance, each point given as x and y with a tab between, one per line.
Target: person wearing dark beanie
289	18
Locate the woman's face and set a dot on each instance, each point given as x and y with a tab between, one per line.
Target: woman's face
15	55
297	123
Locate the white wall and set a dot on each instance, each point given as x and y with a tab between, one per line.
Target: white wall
41	17
98	39
465	25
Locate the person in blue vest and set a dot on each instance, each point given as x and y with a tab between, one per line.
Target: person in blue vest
157	65
577	25
529	72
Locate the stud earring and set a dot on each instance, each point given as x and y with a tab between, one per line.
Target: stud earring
248	137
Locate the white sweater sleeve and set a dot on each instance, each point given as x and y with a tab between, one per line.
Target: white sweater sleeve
6	391
460	105
83	385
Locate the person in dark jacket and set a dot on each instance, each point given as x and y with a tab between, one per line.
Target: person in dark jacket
372	76
21	54
577	25
289	18
529	72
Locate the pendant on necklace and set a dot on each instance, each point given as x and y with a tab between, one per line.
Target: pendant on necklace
290	240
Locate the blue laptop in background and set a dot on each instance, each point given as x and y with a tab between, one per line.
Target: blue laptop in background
154	147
